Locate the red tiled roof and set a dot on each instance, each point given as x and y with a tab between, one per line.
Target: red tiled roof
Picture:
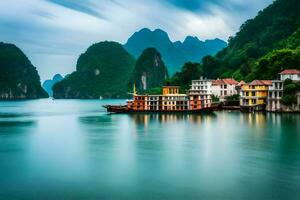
261	82
229	81
217	82
290	71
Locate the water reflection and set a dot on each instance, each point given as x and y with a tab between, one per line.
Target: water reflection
146	119
4	115
253	119
16	124
74	149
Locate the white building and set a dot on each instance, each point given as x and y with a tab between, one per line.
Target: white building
224	87
200	93
201	86
292	74
275	93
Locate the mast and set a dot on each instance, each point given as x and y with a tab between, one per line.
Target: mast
134	89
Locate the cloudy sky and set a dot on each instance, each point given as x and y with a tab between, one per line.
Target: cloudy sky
53	33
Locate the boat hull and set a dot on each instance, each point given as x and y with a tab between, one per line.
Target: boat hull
124	109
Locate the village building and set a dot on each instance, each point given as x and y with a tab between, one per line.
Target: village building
292	74
223	88
275	93
200	94
253	96
238	87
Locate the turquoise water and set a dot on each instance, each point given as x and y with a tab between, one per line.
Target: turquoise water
72	149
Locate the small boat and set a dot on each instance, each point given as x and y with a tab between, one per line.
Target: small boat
117	109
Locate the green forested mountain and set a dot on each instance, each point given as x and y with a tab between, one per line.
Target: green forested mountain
103	70
263	47
19	79
150	70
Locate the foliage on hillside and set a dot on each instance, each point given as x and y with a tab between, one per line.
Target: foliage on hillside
271	64
103	70
274	28
190	71
262	48
19	79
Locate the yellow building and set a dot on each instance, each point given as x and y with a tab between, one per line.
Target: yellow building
253	96
167	90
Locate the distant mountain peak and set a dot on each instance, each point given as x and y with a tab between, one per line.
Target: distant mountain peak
175	54
48	84
144	30
191	38
57	77
215	40
160	31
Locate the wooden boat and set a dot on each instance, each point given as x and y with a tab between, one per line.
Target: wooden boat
124	109
117	109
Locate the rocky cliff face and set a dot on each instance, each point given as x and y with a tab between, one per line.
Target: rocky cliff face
102	71
19	79
150	70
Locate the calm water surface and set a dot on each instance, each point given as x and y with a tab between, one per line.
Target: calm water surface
72	149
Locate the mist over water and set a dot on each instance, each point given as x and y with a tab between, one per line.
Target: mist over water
73	149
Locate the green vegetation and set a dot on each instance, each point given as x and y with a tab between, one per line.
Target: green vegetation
263	47
215	98
150	71
289	92
103	70
156	90
235	97
190	71
271	64
19	79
